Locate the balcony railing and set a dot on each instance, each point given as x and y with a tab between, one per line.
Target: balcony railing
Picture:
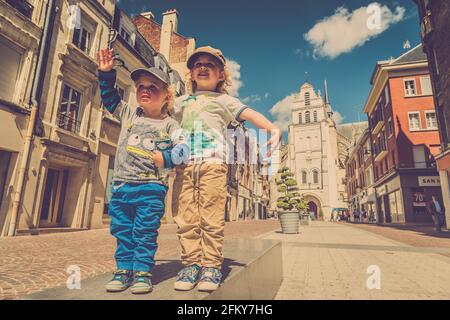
378	127
68	123
22	6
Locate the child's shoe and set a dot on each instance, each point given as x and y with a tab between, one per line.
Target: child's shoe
187	278
121	281
210	279
141	283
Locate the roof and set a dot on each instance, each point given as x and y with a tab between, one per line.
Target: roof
414	55
349	130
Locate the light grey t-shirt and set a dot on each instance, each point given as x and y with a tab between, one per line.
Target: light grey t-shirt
204	116
139	136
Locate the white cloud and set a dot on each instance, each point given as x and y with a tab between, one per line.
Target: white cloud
337	117
281	111
345	30
255	98
234	70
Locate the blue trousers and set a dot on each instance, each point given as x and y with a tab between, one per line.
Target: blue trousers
136	211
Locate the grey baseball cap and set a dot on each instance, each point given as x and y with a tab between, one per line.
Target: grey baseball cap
156	72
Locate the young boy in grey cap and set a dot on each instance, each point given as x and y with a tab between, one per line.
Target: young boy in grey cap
149	141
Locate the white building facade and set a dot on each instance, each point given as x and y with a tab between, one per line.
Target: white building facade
314	155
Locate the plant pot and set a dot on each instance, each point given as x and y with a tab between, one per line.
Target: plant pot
290	222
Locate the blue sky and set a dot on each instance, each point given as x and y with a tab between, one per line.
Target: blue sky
267	40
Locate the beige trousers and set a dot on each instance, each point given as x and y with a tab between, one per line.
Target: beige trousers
199	197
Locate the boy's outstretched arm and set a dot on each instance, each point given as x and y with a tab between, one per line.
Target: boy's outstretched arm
107	80
261	122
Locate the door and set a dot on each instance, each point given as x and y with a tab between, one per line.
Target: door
53	201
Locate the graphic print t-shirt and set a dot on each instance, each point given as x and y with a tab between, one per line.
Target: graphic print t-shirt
204	117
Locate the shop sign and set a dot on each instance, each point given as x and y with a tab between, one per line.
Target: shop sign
419	199
429	181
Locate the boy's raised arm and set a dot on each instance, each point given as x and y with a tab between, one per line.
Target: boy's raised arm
107	80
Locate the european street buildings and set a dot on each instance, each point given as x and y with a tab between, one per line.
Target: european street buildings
404	140
57	143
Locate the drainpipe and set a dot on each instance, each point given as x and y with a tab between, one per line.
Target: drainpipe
35	96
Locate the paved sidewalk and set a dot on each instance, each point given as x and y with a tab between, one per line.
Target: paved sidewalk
331	260
32	263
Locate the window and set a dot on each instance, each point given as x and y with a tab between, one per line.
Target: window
315	116
425	84
307	117
82	37
315	177
304	177
307	99
410	87
431	119
109	179
69	112
386	94
125	35
414	121
300	118
419	157
10	63
390	127
5	158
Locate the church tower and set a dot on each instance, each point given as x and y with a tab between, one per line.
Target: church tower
313	154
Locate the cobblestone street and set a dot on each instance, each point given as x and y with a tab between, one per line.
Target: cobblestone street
32	263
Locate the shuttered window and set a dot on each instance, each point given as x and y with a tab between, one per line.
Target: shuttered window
10	61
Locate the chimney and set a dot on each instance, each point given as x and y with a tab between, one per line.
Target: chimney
149	15
169	26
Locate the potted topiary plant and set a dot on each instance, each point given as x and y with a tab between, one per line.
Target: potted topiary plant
291	203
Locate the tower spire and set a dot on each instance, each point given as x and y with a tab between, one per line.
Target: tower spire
306	77
327	101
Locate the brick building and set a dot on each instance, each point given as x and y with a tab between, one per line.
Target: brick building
165	38
404	137
435	25
359	176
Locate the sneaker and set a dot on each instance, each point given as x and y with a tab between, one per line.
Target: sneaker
187	278
121	281
141	283
210	279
